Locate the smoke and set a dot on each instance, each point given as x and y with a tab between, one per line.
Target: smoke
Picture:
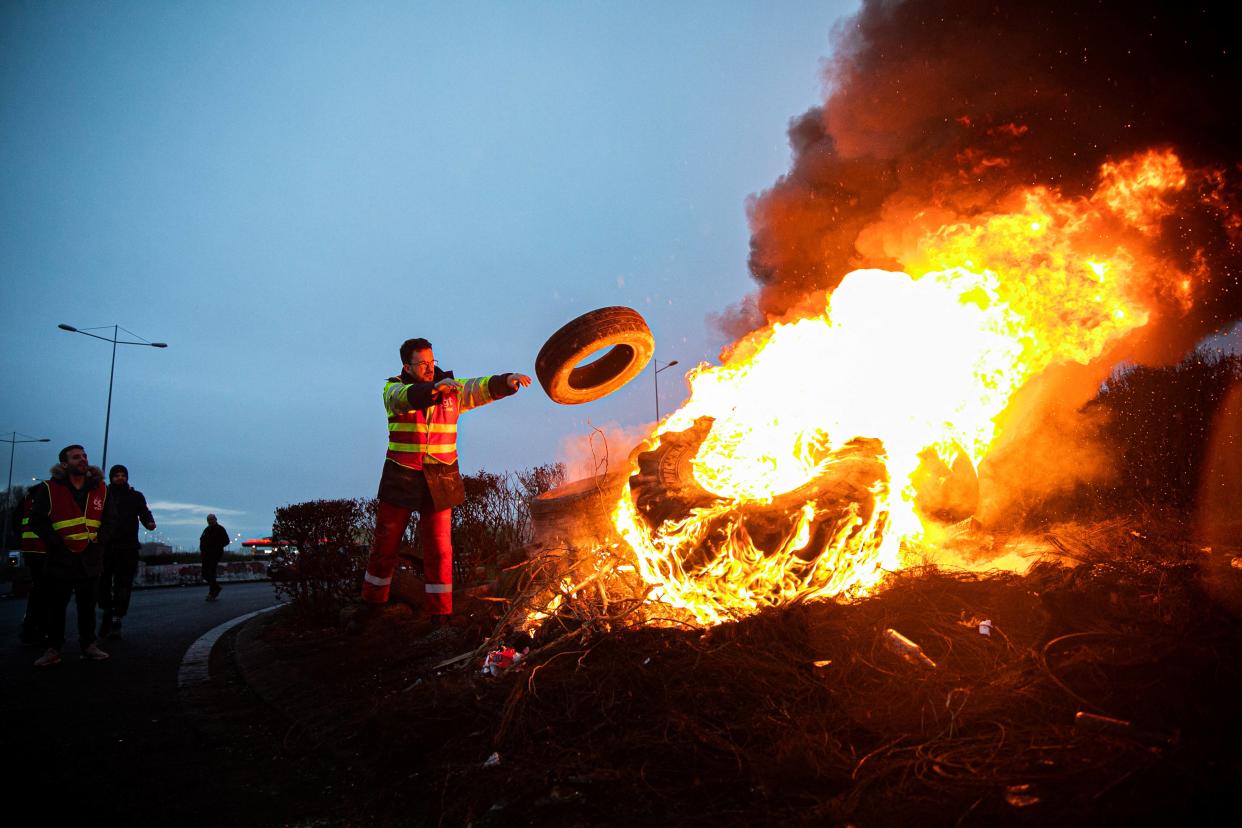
604	450
938	111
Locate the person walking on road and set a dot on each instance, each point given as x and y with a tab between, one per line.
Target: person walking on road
120	560
67	513
421	473
211	544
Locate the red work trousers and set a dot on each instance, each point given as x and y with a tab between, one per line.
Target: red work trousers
436	541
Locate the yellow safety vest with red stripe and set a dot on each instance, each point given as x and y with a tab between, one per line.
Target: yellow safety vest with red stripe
420	435
30	541
76	526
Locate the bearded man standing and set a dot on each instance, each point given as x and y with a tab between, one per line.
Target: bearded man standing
67	514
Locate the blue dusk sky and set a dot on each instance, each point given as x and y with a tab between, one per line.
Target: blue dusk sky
284	191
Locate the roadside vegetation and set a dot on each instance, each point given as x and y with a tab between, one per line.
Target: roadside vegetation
333	538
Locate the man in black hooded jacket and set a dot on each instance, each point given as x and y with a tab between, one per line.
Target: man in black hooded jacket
211	545
120	559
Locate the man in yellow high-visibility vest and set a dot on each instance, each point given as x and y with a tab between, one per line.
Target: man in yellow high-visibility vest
421	473
68	514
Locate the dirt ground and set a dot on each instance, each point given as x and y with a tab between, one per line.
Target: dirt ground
1103	691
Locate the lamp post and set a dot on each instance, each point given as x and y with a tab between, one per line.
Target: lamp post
112	374
655	364
8	507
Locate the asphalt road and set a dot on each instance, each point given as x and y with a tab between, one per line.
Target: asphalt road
116	742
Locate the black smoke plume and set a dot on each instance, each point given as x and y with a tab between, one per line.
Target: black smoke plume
941	108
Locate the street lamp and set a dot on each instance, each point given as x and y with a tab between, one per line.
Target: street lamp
655	364
115	342
8	507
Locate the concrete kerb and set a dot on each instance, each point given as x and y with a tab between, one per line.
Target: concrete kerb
278	685
194	664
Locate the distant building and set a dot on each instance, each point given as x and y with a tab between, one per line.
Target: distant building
153	548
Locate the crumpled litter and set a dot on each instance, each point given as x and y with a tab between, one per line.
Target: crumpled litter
492	761
984	625
499	660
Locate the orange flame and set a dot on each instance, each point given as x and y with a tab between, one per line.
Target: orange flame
919	362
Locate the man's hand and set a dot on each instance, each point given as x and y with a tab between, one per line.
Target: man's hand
445	386
150	526
518	381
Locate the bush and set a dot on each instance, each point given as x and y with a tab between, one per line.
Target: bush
1159	423
331	538
494	522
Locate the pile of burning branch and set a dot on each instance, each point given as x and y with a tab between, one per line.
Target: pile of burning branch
1106	687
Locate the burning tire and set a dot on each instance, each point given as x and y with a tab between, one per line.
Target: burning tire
719	557
663	489
559	365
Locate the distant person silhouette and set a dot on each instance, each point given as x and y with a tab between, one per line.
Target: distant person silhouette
211	544
120	559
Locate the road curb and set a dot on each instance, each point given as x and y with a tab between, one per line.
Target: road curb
194	664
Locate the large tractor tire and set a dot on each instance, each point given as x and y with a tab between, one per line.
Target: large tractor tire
559	365
663	486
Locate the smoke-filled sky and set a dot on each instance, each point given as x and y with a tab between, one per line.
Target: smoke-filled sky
284	191
939	109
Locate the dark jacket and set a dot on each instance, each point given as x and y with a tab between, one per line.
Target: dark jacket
128	506
213	540
61	563
434	486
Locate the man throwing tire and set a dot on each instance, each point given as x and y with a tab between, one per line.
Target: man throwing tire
421	474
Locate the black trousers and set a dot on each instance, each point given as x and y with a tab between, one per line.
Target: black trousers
35	621
117	582
211	560
58	591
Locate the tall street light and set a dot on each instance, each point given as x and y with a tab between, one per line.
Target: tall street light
8	507
655	364
115	342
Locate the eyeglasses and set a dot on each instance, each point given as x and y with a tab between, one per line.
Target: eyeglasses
431	364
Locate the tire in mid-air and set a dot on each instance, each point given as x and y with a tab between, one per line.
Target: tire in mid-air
560	365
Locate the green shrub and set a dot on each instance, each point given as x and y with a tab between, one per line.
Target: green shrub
331	538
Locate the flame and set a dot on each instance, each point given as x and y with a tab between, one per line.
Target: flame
924	360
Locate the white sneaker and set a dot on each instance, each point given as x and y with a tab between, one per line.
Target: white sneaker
52	656
94	653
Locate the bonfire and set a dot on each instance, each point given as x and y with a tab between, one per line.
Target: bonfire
829	588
